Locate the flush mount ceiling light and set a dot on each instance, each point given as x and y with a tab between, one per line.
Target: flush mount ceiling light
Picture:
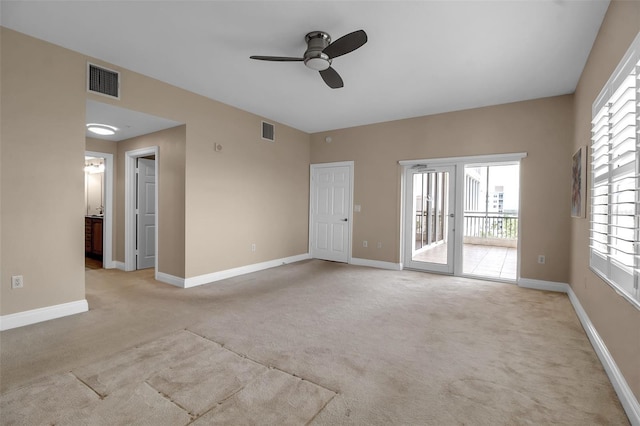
101	129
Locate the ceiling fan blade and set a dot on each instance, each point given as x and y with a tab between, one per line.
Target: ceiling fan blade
332	78
346	44
277	58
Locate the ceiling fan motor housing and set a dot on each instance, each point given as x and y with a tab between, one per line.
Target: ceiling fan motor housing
314	58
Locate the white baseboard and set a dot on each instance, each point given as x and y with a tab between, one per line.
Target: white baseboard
170	279
119	265
376	264
230	273
47	313
543	285
625	394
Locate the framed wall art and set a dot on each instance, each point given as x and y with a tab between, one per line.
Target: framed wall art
578	183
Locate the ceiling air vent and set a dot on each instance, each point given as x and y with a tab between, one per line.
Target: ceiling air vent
103	81
268	131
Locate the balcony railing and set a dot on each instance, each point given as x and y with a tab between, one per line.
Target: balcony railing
492	229
490	225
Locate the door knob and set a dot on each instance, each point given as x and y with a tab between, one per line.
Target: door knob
344	220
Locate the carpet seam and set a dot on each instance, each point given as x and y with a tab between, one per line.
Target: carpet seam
224	346
88	385
168	398
218	404
320	410
304	379
203	337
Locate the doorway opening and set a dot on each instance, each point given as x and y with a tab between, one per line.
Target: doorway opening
98	220
141	209
128	124
145	212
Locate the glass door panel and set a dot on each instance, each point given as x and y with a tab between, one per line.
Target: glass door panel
430	214
490	219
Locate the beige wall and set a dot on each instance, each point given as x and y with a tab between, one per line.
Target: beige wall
541	128
42	181
617	322
104	146
171	208
250	192
253	191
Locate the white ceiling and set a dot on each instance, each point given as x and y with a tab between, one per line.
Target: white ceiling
423	57
128	123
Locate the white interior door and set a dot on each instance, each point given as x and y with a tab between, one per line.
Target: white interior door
330	230
146	217
430	218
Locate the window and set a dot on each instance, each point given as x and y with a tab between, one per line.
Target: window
615	167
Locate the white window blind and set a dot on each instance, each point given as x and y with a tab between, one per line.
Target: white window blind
615	167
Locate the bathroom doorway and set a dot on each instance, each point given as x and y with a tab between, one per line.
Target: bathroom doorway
99	182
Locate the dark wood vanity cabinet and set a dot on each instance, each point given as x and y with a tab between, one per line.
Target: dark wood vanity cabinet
93	237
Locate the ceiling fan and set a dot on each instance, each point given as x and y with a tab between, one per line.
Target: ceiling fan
321	52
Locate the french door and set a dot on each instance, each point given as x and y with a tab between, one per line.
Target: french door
461	215
430	218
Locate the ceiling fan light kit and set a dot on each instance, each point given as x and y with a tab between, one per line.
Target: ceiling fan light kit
321	52
314	57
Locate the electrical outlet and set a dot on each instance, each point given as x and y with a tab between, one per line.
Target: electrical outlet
365	243
253	247
379	244
17	281
541	259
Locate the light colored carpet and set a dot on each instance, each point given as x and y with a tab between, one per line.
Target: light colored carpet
312	342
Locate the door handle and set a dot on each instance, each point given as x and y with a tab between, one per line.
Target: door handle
344	220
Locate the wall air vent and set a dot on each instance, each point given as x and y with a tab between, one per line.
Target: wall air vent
103	81
268	131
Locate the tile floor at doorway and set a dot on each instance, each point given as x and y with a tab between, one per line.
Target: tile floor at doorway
479	260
